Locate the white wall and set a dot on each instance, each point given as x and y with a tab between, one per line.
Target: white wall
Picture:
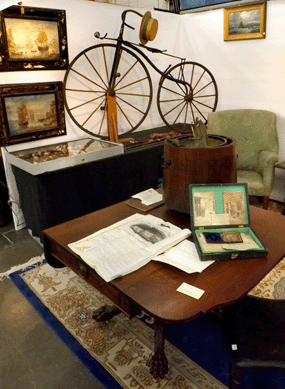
249	73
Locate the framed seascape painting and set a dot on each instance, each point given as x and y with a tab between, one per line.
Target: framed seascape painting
245	22
32	39
30	112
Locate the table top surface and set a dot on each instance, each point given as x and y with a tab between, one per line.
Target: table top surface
153	288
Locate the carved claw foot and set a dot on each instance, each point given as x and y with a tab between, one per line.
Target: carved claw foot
158	365
105	313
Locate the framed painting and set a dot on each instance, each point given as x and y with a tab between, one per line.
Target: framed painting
245	22
34	39
30	112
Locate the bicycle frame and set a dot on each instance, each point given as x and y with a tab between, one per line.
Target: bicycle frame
121	42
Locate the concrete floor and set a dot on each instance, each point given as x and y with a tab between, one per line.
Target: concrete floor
31	355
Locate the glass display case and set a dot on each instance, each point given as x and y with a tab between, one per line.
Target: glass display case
43	159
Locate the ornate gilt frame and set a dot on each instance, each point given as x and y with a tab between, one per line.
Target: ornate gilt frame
236	27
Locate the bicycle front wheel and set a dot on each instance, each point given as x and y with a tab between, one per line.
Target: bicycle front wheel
87	83
179	107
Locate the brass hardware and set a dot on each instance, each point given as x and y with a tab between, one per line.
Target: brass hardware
233	256
22	9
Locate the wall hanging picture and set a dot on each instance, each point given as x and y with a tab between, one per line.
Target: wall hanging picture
33	39
245	22
31	111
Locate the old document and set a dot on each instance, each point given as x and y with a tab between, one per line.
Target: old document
127	245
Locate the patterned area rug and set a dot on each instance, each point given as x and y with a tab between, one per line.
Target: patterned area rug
272	286
121	346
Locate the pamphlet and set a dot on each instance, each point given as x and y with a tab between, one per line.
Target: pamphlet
128	245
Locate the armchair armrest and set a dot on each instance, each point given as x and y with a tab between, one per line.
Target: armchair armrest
266	161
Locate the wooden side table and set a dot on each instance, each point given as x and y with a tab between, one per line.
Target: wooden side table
281	165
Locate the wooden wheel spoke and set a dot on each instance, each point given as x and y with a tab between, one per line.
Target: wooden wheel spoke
205	105
199	79
198	111
96	71
127	72
204	87
86	78
170	101
86	102
171	110
106	66
193	115
172	91
132	94
89	117
179	113
192	75
132	83
82	90
185	118
124	115
203	96
129	104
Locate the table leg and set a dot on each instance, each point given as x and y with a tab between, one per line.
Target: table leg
105	313
158	363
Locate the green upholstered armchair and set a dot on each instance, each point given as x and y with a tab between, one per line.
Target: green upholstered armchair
257	146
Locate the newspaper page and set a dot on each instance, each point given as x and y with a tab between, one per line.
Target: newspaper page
127	245
185	257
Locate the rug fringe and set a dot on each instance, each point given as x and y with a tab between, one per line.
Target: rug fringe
23	266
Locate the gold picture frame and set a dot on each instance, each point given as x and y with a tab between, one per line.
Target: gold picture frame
245	22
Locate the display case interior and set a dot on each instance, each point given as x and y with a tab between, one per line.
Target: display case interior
39	160
220	221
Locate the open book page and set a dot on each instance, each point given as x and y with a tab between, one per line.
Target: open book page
127	245
184	256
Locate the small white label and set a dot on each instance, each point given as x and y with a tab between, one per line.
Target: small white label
234	347
190	290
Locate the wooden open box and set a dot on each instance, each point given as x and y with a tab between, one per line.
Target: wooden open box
220	222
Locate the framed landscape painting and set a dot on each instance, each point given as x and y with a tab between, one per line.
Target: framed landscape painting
30	112
245	22
33	40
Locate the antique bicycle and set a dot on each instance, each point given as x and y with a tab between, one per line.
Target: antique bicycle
108	89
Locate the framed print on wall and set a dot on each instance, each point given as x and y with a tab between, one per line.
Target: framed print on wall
30	112
245	22
33	40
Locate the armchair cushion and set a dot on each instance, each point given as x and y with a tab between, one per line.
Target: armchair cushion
257	145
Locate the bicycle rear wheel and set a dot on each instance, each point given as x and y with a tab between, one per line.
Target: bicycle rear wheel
177	107
86	85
